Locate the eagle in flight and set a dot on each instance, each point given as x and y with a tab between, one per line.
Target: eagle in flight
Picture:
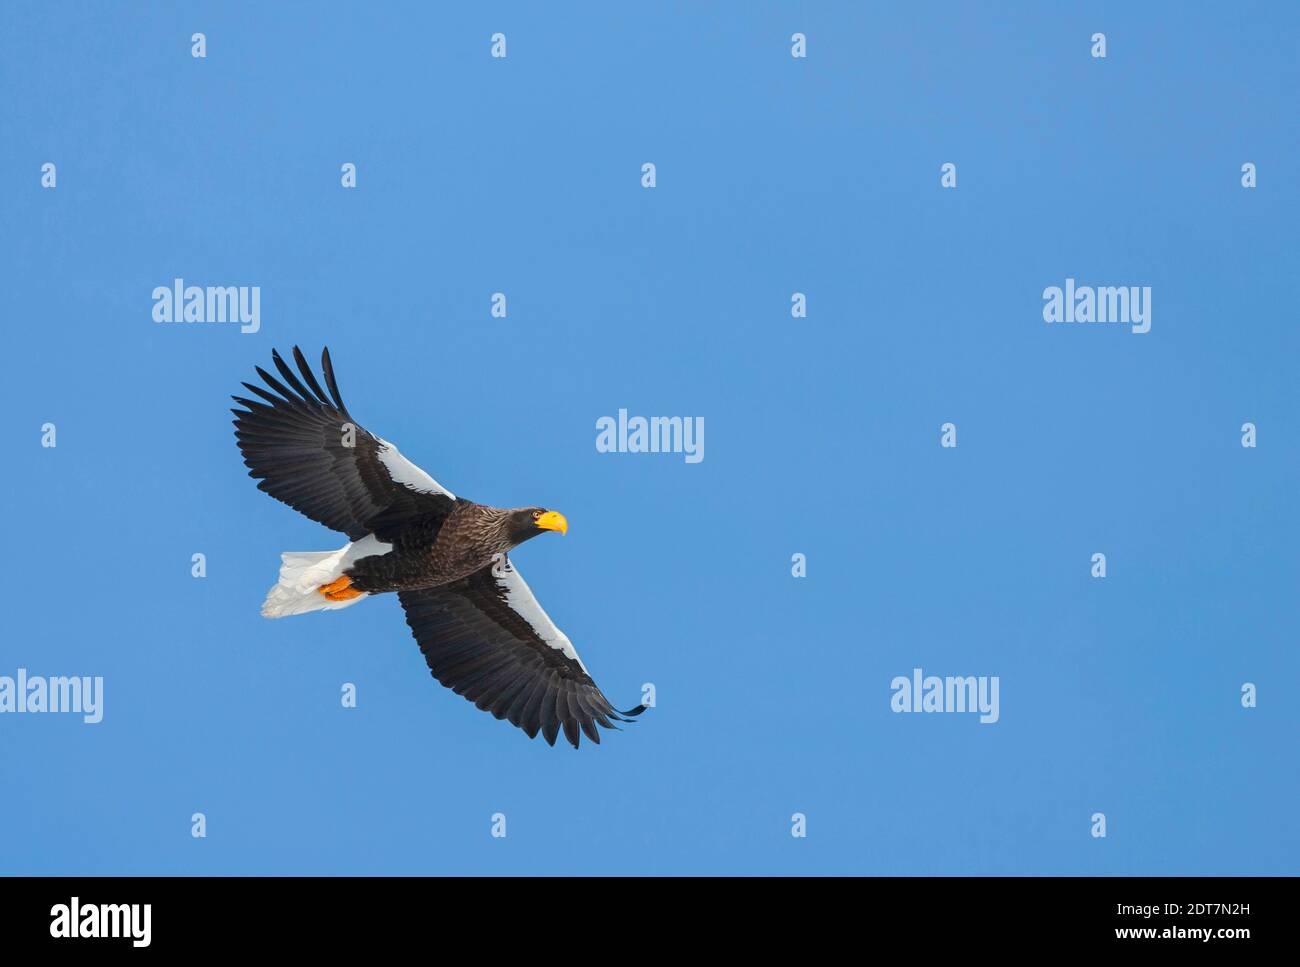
481	630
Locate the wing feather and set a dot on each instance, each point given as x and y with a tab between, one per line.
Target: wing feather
294	441
486	638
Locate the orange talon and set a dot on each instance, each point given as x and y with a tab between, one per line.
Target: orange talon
337	587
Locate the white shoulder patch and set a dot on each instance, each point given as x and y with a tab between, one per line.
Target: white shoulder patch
367	546
406	473
520	599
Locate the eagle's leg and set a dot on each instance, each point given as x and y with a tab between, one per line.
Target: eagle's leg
340	590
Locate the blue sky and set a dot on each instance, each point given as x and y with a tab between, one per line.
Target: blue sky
775	175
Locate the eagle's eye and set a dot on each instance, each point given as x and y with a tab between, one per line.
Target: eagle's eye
537	515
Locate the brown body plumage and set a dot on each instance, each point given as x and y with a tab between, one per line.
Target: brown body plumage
472	537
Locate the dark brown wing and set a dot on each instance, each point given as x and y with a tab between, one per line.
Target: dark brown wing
306	450
486	638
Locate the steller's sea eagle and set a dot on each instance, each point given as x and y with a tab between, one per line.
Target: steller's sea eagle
481	630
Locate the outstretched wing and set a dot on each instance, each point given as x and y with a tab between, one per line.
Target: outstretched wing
306	450
485	637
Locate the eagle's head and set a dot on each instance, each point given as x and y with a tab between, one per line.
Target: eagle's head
531	521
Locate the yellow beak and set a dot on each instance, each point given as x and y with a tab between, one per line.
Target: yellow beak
551	521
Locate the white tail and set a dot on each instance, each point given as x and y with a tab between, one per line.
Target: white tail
302	572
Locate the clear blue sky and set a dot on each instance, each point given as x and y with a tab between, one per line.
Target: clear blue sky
775	175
